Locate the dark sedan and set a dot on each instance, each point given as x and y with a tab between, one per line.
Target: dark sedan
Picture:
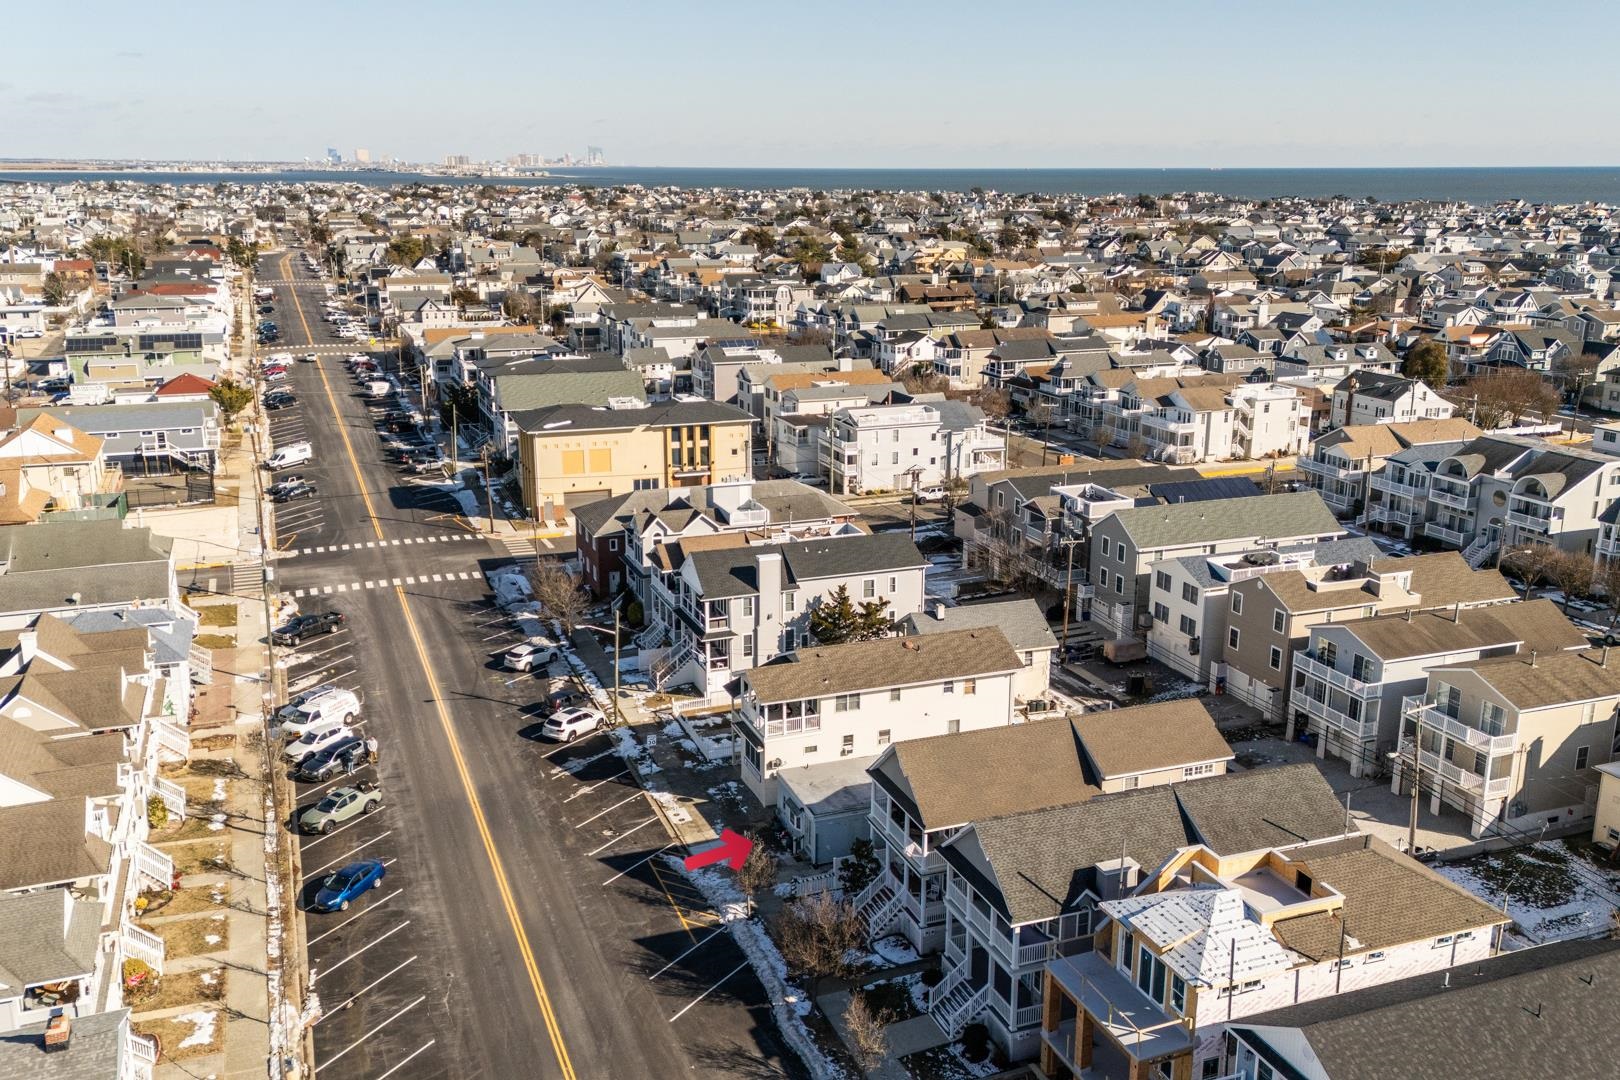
342	757
307	626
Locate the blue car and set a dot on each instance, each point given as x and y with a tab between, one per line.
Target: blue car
345	885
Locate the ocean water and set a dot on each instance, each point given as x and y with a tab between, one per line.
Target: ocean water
1570	184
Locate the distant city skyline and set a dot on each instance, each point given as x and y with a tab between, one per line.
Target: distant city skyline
1048	85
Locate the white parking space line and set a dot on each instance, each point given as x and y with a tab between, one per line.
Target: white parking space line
707	992
310	874
599	783
622	835
690	950
599	813
316	974
355	996
333	1059
369	907
635	864
424	1048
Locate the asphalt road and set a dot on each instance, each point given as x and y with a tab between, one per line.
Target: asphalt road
526	925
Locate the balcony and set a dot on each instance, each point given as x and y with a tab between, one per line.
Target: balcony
1402	485
1327	471
1363	729
1477	738
1446	493
1452	773
1530	522
1140	1028
1455	537
1316	669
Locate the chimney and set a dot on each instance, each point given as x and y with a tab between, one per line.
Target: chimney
58	1033
936	608
1532	658
768	581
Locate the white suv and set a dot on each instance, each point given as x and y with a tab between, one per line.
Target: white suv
567	725
315	740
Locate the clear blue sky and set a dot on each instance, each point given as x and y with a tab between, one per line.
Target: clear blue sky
873	83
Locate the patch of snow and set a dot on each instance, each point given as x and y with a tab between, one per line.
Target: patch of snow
208	978
219	790
788	1002
212	939
895	950
1584	913
216	822
202	1027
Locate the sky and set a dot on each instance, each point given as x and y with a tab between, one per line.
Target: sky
877	83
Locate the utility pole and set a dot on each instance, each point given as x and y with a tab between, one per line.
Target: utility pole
913	506
1417	781
489	492
618	716
1068	592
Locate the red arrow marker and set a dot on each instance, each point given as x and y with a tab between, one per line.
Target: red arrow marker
733	848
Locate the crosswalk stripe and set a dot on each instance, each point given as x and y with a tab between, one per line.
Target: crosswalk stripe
397	581
371	584
319	550
343	588
396	543
345	547
410	581
438	577
297	593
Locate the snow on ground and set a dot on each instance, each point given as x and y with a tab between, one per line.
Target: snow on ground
1552	893
219	790
895	950
789	1003
202	1027
216	822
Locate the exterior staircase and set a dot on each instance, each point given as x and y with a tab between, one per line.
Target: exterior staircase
876	908
1478	553
954	1003
665	667
652	637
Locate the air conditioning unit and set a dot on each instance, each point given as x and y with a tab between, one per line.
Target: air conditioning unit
1192	645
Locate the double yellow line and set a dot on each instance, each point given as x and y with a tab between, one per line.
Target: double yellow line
502	883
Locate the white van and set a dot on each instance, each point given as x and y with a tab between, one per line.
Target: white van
335	707
286	457
378	388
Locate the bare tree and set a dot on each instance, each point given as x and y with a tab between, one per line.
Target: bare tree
557	592
1606	580
1508	396
1572	573
758	871
868	1030
995	402
819	937
1532	565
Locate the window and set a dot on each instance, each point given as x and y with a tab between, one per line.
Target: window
748	645
1189	772
1441	942
1237	603
1232	636
869	589
1102	579
1189	592
1276	658
1188	626
1119	584
808	750
894	585
1582	756
1178	993
953	726
894	695
1129	782
1161	613
970	686
883	737
790	601
948	686
748	606
846	703
849	745
1278	621
1161	581
1372	958
1107	547
613	545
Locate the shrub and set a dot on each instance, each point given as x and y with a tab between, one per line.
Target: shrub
157	814
975	1042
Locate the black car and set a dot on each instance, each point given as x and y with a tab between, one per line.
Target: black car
267	309
279	401
292	493
343	756
307	626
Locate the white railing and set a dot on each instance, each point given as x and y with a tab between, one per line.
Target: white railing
1036	953
1436	765
1026	1017
172	794
1358	729
172	740
1440	532
1315	669
1330	472
143	945
934	997
1529	522
1478	738
1445	497
143	1048
154	865
202	664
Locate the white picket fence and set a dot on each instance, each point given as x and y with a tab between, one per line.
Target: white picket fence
154	865
172	794
173	741
143	945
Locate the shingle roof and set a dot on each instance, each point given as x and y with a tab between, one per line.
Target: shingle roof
1021	620
884	663
573	418
1261	808
1540	679
1432	633
1151	737
46	936
95	1052
1443	578
732	572
44	843
1544	1006
1301	513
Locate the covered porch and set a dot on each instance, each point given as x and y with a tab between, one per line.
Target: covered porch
1097	1024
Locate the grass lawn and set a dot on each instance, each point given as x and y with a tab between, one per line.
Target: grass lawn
186	988
217	615
190	858
892	996
196	898
195	827
191	937
172	1032
215	641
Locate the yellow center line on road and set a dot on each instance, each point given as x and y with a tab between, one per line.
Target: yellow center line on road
497	867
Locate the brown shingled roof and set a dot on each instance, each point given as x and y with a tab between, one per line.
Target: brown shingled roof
885	662
1151	737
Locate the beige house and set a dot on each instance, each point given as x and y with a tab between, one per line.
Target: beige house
1514	741
1606	826
575	454
49	462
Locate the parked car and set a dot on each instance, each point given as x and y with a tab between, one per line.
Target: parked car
529	655
286	457
275	375
291	493
287	481
343	887
315	740
340	805
303	627
343	756
331	704
275	402
309	358
931	493
566	725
